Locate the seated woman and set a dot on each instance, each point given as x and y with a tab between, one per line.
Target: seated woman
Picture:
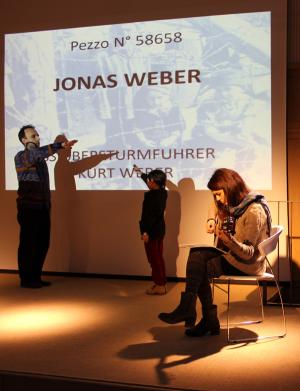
252	219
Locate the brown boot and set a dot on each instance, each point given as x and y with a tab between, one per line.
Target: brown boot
185	312
208	325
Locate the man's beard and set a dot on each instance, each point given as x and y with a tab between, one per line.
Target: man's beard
31	145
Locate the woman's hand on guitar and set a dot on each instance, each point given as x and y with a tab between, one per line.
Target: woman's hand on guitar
224	236
211	226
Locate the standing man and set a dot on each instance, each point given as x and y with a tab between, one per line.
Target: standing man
33	204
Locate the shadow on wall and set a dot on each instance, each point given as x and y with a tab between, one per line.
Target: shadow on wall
172	218
98	231
188	217
71	228
290	292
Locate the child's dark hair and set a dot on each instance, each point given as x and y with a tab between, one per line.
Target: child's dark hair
159	177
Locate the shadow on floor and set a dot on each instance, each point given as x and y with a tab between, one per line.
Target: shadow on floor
171	341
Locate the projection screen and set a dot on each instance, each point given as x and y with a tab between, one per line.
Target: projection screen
183	95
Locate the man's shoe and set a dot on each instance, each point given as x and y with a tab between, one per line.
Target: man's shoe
31	285
45	283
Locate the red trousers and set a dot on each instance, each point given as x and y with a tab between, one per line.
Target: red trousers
154	252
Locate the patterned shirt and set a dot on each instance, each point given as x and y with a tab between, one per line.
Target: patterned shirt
33	176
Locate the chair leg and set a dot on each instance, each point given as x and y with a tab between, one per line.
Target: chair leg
281	302
247	322
265	293
228	308
261	303
238	340
282	310
253	339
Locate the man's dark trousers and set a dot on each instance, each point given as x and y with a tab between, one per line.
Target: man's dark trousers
34	242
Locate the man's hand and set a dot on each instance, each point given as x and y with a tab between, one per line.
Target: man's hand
108	155
68	144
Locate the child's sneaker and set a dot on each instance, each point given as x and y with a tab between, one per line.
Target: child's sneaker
150	289
157	290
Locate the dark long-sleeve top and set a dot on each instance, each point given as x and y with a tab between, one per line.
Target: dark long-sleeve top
152	220
33	176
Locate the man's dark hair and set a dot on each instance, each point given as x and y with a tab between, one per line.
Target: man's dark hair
231	182
159	177
21	134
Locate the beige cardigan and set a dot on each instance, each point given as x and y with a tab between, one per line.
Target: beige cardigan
250	229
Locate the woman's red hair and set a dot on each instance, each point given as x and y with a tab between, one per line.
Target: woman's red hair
231	182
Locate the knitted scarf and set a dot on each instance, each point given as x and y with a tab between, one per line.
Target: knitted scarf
251	197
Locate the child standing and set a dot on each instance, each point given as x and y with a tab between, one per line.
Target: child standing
152	227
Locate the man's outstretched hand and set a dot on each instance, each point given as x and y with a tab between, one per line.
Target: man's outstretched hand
68	144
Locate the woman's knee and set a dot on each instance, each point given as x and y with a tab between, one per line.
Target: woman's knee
201	255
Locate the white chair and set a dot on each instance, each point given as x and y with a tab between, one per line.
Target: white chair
265	248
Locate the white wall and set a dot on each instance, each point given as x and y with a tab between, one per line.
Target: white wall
97	232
